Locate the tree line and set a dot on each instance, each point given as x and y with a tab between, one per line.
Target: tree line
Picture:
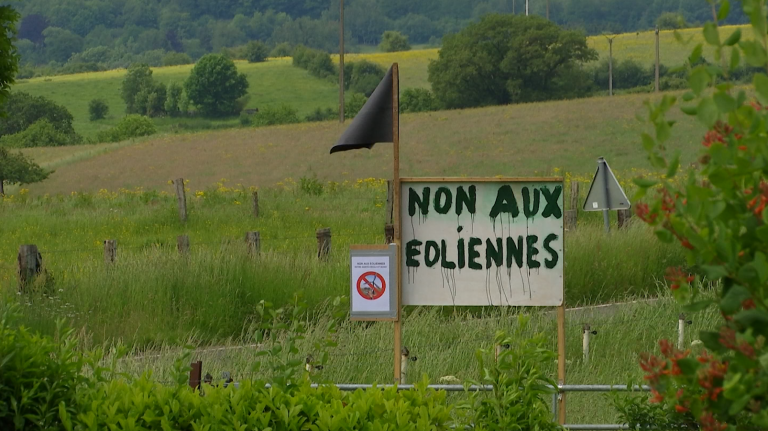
66	36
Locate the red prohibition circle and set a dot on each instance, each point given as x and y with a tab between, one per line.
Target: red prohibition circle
371	286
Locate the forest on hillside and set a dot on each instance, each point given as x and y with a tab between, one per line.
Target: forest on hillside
64	36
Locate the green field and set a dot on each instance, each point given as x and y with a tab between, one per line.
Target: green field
277	82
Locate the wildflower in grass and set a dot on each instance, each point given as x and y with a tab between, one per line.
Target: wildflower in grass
237	202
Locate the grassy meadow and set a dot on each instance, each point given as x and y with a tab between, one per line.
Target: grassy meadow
514	140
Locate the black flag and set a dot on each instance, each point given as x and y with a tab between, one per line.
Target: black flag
374	121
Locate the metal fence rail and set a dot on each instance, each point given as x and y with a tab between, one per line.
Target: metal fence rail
487	388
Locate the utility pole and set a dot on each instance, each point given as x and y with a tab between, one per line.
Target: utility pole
657	59
513	7
341	61
610	65
547	10
526	7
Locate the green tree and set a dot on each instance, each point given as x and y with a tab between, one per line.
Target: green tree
418	100
256	52
142	95
671	21
97	109
363	76
61	43
9	58
393	41
214	85
507	59
17	169
176	58
172	103
25	110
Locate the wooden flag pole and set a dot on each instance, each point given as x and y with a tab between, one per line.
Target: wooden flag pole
396	179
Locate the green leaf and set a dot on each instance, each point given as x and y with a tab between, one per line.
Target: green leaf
663	131
688	96
696	54
754	53
674	164
689	110
698	80
734	38
739	404
725	103
760	80
754	318
725	8
688	365
762	233
707	112
761	266
711	35
711	341
695	307
648	142
714	272
644	182
664	235
735	59
732	300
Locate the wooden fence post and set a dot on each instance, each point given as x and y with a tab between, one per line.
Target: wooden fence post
196	374
586	332
681	331
571	216
404	354
110	250
256	204
181	198
389	233
323	243
624	217
30	264
390	202
253	240
182	244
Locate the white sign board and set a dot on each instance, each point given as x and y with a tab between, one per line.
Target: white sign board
373	294
482	242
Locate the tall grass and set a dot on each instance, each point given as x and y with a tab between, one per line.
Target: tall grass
151	294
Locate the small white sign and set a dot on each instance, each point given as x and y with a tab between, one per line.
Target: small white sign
371	283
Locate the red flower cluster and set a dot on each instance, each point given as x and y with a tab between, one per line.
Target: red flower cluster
729	341
758	203
657	367
677	277
643	212
709	423
711	376
719	134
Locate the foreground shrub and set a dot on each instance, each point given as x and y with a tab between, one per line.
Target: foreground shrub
256	52
717	214
97	109
39	377
394	41
23	110
418	100
131	126
40	134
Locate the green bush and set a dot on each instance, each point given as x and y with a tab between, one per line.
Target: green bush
256	52
394	41
23	110
173	100
176	59
283	114
131	126
41	134
281	50
317	63
39	377
354	104
97	109
362	76
418	100
321	114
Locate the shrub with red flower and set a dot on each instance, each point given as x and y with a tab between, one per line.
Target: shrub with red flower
717	213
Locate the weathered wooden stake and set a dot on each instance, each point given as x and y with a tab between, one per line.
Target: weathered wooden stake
323	243
181	198
585	342
253	240
389	234
256	204
110	250
30	264
625	216
196	374
182	244
390	201
571	218
574	195
681	331
404	354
